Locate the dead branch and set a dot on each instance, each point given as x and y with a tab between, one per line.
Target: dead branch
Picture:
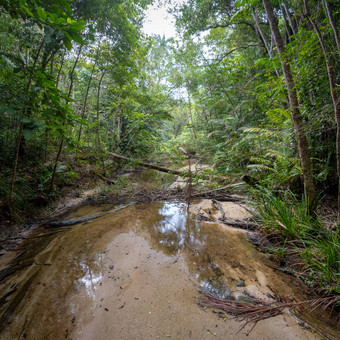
258	309
214	190
73	222
242	224
220	179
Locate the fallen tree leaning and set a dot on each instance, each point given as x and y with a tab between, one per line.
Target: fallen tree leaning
219	179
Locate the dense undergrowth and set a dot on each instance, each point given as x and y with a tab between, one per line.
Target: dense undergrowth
309	243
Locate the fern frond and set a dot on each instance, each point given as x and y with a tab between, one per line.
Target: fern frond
259	167
262	133
259	160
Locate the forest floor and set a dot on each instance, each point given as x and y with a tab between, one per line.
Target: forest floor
136	272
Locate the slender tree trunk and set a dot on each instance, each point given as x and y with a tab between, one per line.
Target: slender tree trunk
333	90
62	138
98	126
289	32
294	107
60	68
269	50
98	101
190	113
257	25
21	127
259	41
86	96
52	63
292	26
333	24
46	129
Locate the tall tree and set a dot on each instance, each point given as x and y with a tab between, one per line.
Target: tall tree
332	83
294	105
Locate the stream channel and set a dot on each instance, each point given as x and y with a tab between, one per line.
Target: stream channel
135	273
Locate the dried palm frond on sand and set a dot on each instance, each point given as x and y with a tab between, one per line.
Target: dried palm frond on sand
257	309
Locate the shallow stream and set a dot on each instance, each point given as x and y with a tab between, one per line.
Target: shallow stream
135	274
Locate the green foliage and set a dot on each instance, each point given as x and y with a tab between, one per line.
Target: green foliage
318	245
285	214
322	256
61	89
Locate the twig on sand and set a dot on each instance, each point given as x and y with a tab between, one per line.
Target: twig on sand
258	309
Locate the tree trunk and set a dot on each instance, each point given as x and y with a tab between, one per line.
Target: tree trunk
333	90
86	95
60	68
333	24
294	107
98	126
11	186
292	25
269	50
190	113
289	32
258	27
62	139
259	41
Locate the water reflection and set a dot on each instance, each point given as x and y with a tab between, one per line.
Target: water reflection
216	286
177	231
90	280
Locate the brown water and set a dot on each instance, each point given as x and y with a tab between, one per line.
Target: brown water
134	274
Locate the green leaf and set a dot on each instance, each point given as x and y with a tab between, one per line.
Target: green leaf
41	13
8	110
67	43
26	9
29	133
91	36
76	37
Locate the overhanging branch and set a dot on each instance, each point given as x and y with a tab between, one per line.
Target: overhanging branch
233	50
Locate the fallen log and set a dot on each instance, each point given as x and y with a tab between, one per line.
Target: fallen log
242	224
73	222
210	192
85	219
221	179
224	198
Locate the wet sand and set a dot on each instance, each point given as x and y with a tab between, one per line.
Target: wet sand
135	274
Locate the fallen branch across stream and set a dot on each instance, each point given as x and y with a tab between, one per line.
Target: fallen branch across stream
85	219
73	222
220	179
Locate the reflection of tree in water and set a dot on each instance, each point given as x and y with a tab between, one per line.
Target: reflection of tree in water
176	231
92	274
179	232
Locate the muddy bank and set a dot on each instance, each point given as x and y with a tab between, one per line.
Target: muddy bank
135	274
